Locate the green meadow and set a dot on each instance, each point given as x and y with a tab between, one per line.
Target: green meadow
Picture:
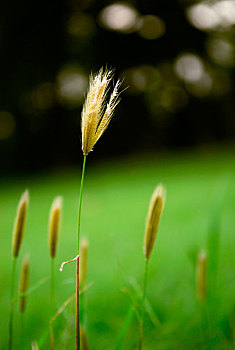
200	202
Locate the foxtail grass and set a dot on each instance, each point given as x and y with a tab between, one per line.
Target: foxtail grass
23	287
18	234
96	115
152	223
53	236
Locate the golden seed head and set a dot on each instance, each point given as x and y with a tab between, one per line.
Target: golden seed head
201	275
153	219
54	225
24	284
19	226
97	112
83	266
84	340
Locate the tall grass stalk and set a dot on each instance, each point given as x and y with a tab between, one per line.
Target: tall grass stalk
23	288
153	220
52	296
53	236
143	303
77	318
96	116
18	234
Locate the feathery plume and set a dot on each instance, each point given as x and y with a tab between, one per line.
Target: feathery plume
19	226
153	219
24	284
54	223
97	112
84	249
84	340
201	275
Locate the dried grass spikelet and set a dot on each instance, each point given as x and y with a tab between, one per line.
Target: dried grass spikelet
83	266
24	284
97	112
201	275
20	222
153	219
84	340
54	225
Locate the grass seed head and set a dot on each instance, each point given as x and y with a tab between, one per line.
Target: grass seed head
84	250
20	222
97	111
54	225
24	284
153	219
201	275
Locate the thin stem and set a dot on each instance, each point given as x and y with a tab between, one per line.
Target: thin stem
11	316
80	203
143	304
52	337
22	332
77	323
52	287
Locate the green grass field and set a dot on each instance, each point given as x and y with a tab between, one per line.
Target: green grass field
116	200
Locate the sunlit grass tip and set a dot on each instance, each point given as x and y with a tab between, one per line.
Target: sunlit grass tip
20	221
54	225
153	219
83	264
24	284
201	275
97	111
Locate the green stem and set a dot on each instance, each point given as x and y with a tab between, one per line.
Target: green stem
22	333
80	204
143	304
77	319
52	287
11	316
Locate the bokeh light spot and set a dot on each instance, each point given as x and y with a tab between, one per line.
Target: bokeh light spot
7	125
189	67
202	87
226	10
203	16
221	51
119	17
151	27
141	78
71	86
219	15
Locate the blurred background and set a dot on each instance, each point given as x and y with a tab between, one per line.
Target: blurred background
175	124
177	57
